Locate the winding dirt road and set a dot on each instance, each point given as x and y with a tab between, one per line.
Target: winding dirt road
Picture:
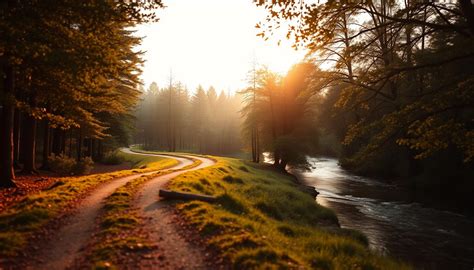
60	251
175	251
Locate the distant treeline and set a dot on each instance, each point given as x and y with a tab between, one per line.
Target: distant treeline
173	119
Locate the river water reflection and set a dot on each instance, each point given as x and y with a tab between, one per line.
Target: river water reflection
395	225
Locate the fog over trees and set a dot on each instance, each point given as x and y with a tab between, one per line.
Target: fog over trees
173	119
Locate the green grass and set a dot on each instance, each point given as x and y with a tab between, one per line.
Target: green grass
118	227
238	155
263	221
120	224
148	163
178	154
19	221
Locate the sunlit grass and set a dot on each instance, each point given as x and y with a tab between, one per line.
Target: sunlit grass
148	163
118	224
139	149
19	221
262	220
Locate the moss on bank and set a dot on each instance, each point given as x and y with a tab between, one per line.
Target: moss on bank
262	220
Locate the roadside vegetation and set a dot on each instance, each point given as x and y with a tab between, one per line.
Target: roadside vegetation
262	220
119	227
22	220
147	163
119	231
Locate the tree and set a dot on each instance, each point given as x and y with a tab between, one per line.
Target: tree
283	114
391	58
201	123
72	61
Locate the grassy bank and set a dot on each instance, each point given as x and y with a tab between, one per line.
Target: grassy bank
263	220
239	155
147	163
22	220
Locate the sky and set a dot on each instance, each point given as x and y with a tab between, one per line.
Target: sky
209	42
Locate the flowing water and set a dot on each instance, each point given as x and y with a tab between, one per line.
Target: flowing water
395	225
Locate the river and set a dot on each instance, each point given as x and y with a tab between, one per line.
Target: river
394	224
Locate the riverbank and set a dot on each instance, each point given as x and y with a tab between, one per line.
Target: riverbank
263	220
426	237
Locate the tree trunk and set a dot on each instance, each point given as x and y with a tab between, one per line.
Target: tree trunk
89	147
57	141
257	146
46	143
99	150
93	149
7	173
16	139
79	145
70	143
63	142
467	8
276	158
282	165
254	158
29	165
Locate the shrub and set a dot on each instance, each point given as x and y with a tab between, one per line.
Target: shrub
65	165
112	158
61	164
84	166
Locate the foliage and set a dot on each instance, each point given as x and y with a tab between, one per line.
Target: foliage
62	164
281	108
398	78
112	158
262	220
65	165
84	166
173	120
71	64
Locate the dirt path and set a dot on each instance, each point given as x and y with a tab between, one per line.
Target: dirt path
175	251
60	250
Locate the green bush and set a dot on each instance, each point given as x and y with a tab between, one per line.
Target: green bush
65	165
61	164
112	158
84	166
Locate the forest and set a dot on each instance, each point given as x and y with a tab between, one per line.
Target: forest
385	91
398	95
172	119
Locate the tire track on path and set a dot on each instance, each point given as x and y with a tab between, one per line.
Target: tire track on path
60	251
175	252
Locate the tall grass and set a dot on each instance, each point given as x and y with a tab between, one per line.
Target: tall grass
262	220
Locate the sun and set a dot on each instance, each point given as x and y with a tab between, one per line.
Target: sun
210	43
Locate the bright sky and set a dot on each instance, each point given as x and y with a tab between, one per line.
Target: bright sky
209	42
